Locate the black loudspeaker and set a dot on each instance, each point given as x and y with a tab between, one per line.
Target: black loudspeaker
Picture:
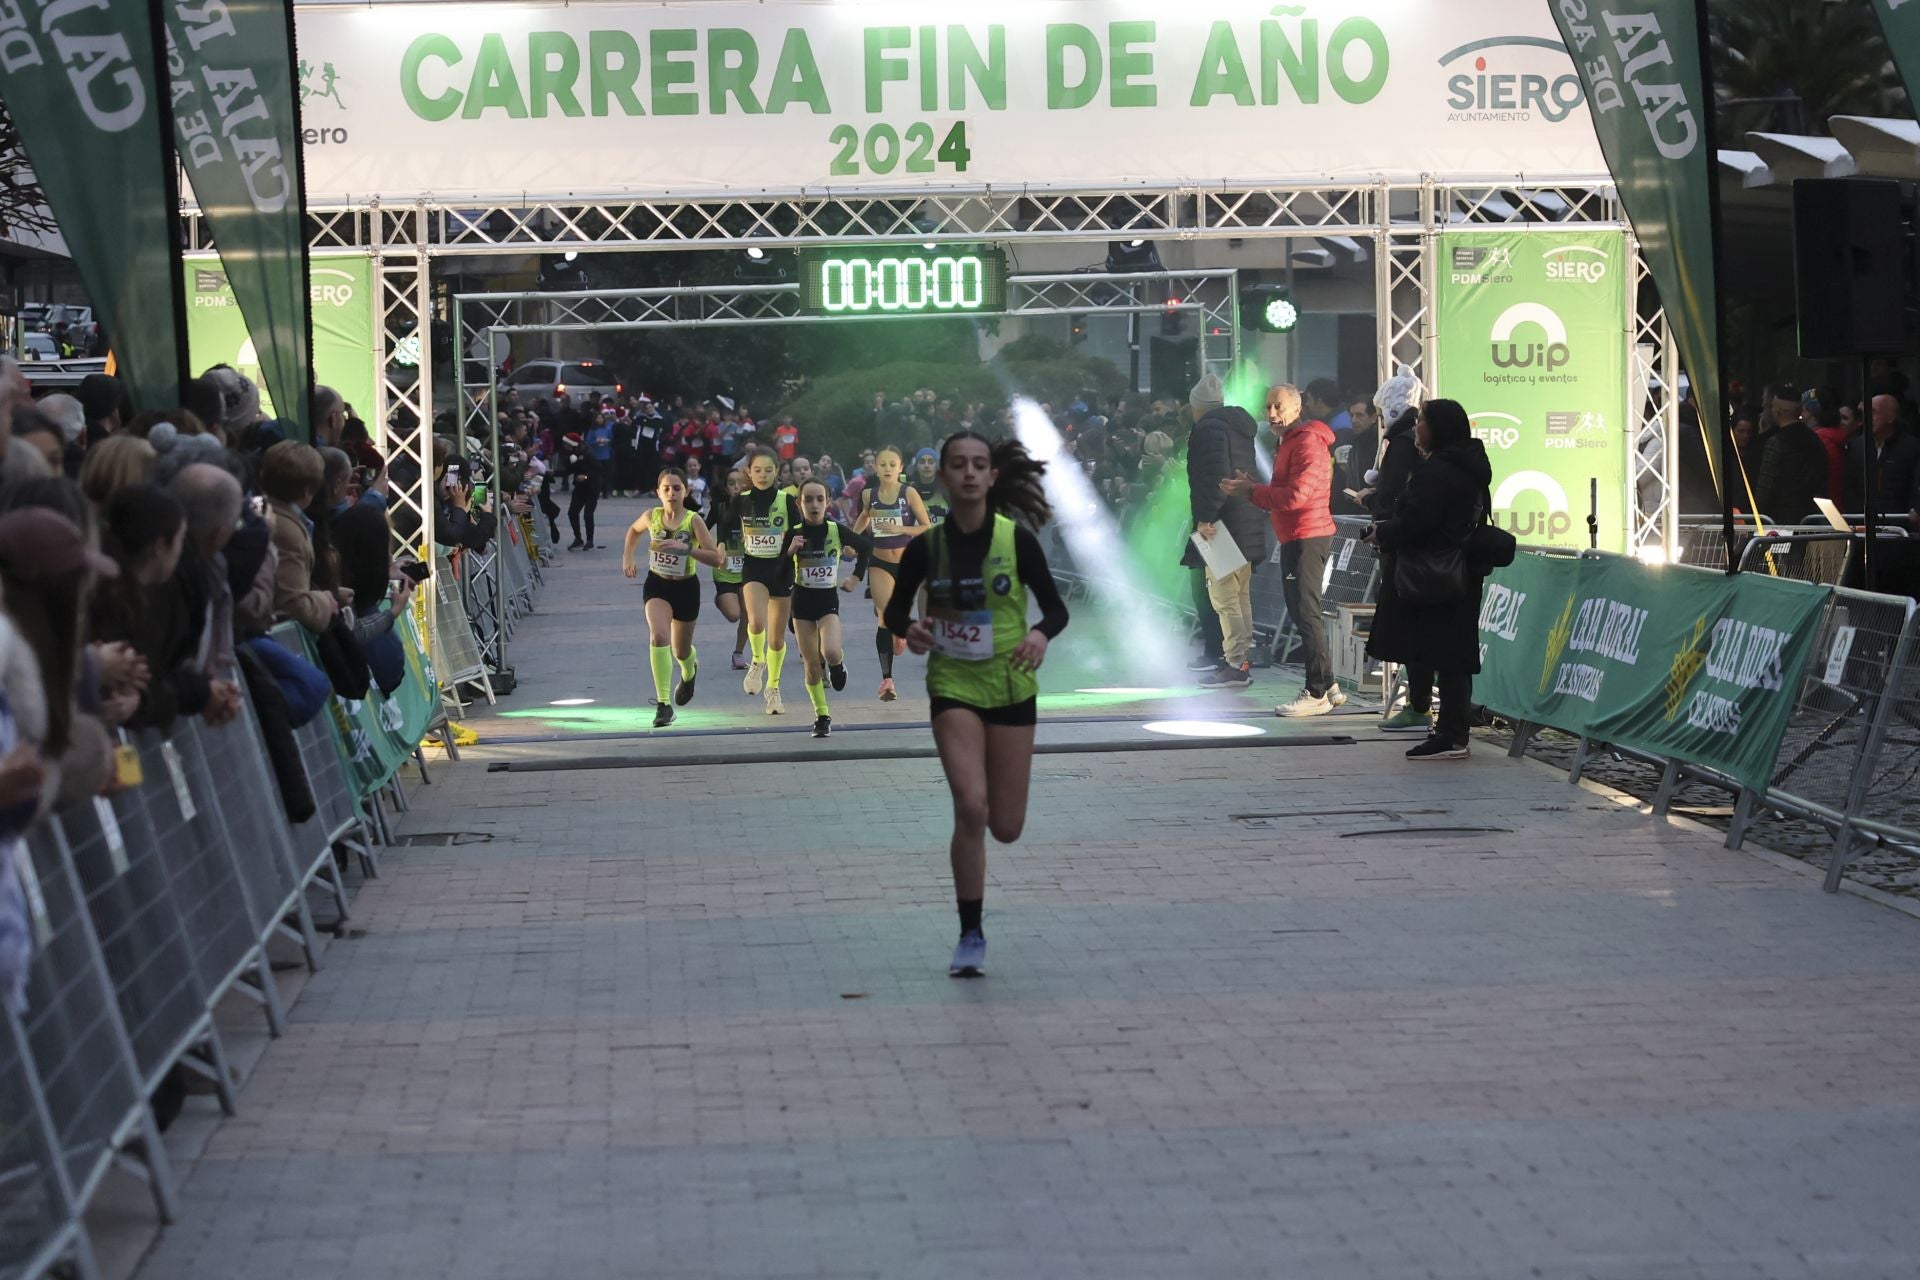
1853	266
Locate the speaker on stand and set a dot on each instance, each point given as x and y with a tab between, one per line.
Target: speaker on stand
1854	277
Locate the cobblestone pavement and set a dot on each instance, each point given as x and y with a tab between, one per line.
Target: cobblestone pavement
1303	1010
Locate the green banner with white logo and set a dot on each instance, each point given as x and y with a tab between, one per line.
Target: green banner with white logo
1640	61
80	83
341	297
237	126
1672	661
1532	341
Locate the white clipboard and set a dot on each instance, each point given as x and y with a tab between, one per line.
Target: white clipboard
1222	554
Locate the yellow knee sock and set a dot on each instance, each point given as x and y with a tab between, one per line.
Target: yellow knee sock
690	665
776	659
662	658
818	692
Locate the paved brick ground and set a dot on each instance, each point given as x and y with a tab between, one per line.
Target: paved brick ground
694	1021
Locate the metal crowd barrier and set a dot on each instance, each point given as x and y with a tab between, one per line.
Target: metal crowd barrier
1352	578
456	654
1851	749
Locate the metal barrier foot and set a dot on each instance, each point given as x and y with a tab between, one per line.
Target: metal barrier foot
1581	754
263	989
297	925
1846	847
1746	811
1669	783
145	1157
1523	735
209	1059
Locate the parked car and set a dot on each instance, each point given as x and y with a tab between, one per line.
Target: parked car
38	346
550	379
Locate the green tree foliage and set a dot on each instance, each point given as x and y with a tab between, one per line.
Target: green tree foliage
1789	66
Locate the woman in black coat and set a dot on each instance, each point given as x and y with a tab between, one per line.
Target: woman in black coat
1445	498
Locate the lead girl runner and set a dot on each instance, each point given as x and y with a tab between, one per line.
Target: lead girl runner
763	515
676	537
816	549
892	514
979	567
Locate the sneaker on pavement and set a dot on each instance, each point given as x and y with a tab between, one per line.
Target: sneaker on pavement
1335	698
684	694
970	957
1407	720
1438	748
662	714
822	726
774	705
739	662
1202	665
887	691
756	676
1307	704
1229	678
837	676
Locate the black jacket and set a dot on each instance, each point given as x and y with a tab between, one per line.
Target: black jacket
1220	445
1442	502
1897	465
1793	472
1396	466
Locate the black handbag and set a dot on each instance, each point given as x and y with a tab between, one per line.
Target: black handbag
1431	575
1437	575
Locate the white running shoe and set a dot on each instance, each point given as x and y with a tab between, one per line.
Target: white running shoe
970	957
1306	704
774	705
756	676
1335	698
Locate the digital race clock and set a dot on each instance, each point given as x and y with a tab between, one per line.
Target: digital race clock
903	281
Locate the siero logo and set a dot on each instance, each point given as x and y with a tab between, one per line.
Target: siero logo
1478	91
320	84
1548	356
1576	264
335	291
1496	430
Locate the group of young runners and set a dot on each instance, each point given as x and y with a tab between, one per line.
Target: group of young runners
961	531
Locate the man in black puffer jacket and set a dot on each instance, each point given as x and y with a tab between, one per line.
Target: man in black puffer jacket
1219	447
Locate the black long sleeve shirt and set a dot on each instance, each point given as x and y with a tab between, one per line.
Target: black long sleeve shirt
968	552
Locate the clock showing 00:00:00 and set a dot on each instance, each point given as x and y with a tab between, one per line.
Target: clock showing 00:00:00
904	284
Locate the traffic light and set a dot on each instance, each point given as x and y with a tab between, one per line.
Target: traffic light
1270	308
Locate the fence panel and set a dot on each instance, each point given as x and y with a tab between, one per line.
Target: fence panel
456	656
149	956
38	1223
194	846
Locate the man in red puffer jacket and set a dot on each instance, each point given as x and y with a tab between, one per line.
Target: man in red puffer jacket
1300	503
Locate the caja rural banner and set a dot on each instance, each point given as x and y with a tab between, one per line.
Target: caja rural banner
1532	341
1640	61
342	298
1673	661
501	99
89	98
236	124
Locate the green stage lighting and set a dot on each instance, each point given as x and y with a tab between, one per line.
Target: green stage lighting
1269	308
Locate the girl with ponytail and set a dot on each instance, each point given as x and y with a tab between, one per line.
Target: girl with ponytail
979	567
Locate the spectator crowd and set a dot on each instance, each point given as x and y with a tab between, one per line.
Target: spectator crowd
145	559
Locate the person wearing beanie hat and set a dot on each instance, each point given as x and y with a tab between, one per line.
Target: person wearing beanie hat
1219	447
1207	394
1398	400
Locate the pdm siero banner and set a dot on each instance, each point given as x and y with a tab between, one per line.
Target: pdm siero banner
1532	341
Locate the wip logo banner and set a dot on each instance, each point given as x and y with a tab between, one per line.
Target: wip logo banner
1510	80
1510	351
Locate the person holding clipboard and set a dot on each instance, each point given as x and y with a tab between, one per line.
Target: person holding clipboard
1230	534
